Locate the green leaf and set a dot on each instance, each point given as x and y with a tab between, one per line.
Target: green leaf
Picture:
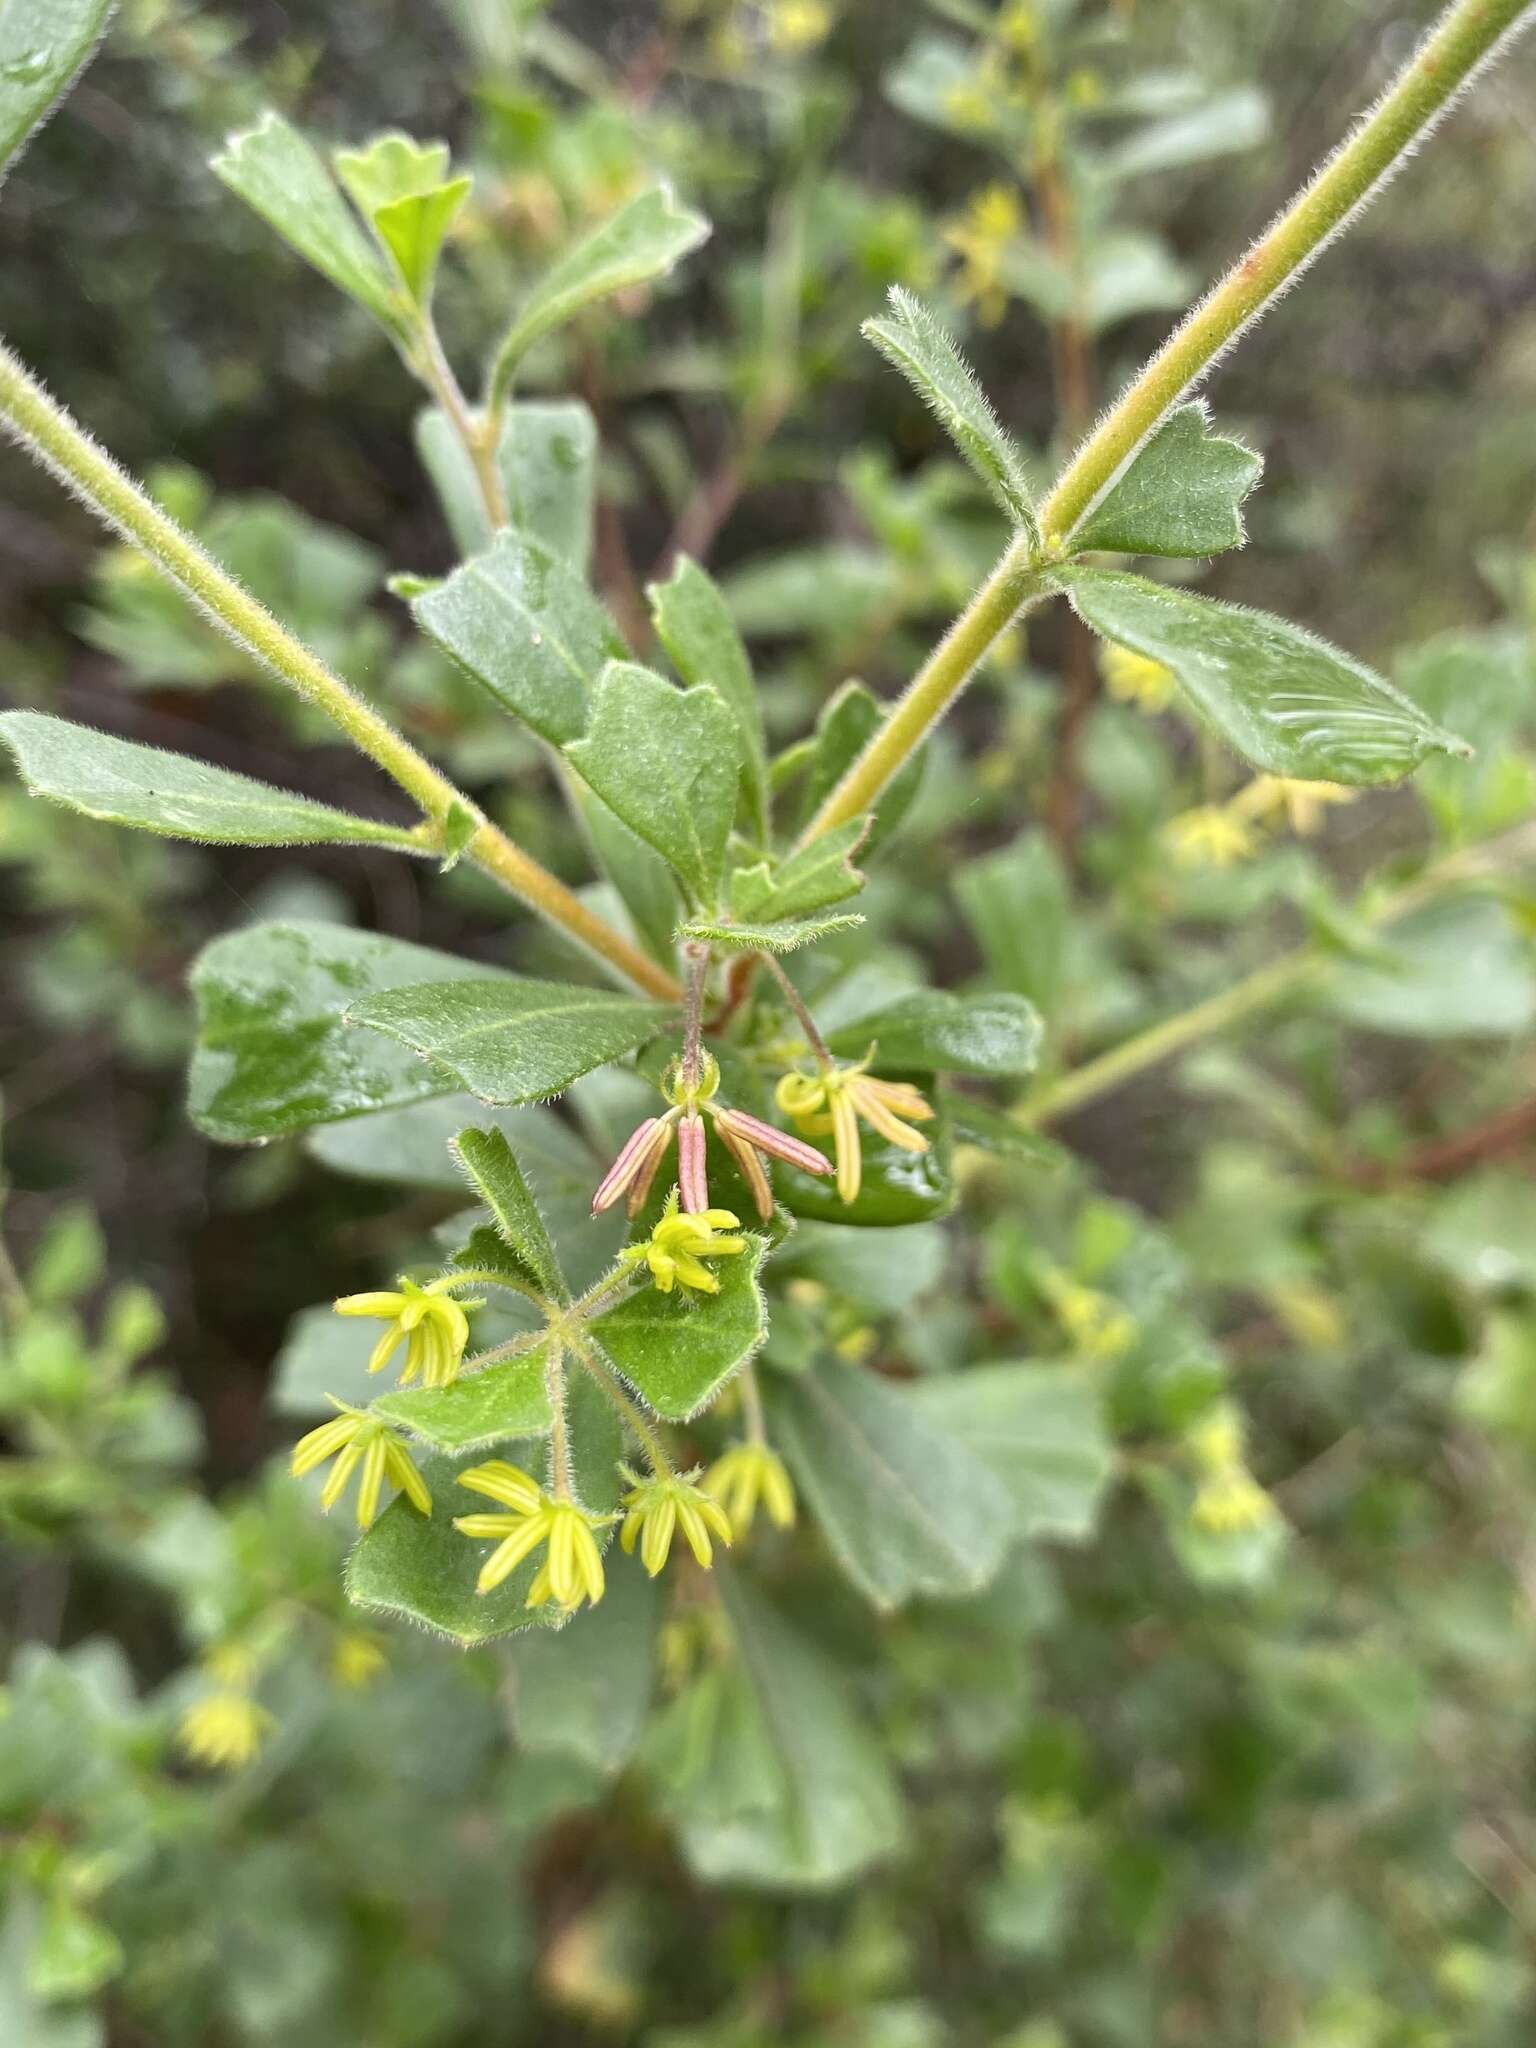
768	938
44	46
641	878
1039	1429
695	626
905	1508
321	1355
421	1567
275	1051
1181	495
664	761
928	358
504	1400
403	188
935	1031
765	1769
548	464
527	628
1284	699
820	874
494	1173
1018	902
641	241
848	722
597	1444
128	784
283	177
979	1123
677	1350
585	1694
509	1040
1461	968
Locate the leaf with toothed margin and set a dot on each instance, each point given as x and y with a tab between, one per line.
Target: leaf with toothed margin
402	187
1181	494
274	1050
496	1177
124	783
767	938
507	1039
479	1408
44	46
694	624
806	882
927	356
1287	701
677	1350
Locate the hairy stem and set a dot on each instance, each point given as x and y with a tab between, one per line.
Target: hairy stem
479	438
1468	34
51	436
630	1412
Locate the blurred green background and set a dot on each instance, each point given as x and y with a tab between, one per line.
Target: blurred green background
1162	1782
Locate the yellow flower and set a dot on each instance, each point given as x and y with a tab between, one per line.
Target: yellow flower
357	1659
1231	1502
796	25
224	1730
749	1473
1097	1325
679	1241
1302	804
833	1101
572	1570
980	237
356	1438
1132	678
433	1328
1211	836
661	1505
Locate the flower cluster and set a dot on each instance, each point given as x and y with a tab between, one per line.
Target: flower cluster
657	1507
1219	835
746	1474
678	1243
426	1320
572	1570
833	1100
1228	1501
225	1728
355	1438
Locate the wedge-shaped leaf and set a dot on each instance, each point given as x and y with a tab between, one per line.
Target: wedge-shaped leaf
934	1031
548	464
44	46
284	178
585	1693
1285	700
524	624
510	1040
905	1508
694	624
665	762
1039	1430
496	1177
1181	495
928	358
768	938
641	241
129	784
1456	969
274	1051
677	1350
818	875
482	1407
765	1769
404	189
848	722
421	1567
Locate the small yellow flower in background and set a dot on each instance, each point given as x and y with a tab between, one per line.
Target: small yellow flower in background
1215	1442
572	1570
798	25
433	1328
225	1730
746	1474
656	1508
833	1100
1097	1326
356	1438
980	237
1303	805
679	1241
1312	1316
232	1665
1018	27
1132	678
1228	1499
1211	837
357	1659
969	106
